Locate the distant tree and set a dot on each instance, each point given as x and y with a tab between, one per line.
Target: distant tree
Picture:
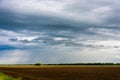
38	64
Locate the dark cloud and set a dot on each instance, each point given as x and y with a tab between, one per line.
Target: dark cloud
7	47
52	33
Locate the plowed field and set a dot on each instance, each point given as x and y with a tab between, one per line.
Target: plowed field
64	72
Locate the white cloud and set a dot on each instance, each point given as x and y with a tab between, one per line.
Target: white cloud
89	11
34	6
104	43
102	9
100	38
105	31
14	57
6	35
59	38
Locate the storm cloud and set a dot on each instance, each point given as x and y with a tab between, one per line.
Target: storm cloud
59	31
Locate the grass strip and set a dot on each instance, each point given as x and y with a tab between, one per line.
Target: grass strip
6	77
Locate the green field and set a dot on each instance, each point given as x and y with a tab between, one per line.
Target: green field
6	77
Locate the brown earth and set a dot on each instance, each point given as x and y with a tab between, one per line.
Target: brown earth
64	72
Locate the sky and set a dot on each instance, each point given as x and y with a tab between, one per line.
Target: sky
59	31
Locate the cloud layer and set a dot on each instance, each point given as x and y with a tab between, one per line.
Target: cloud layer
51	31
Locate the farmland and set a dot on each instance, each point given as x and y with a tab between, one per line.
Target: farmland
63	72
